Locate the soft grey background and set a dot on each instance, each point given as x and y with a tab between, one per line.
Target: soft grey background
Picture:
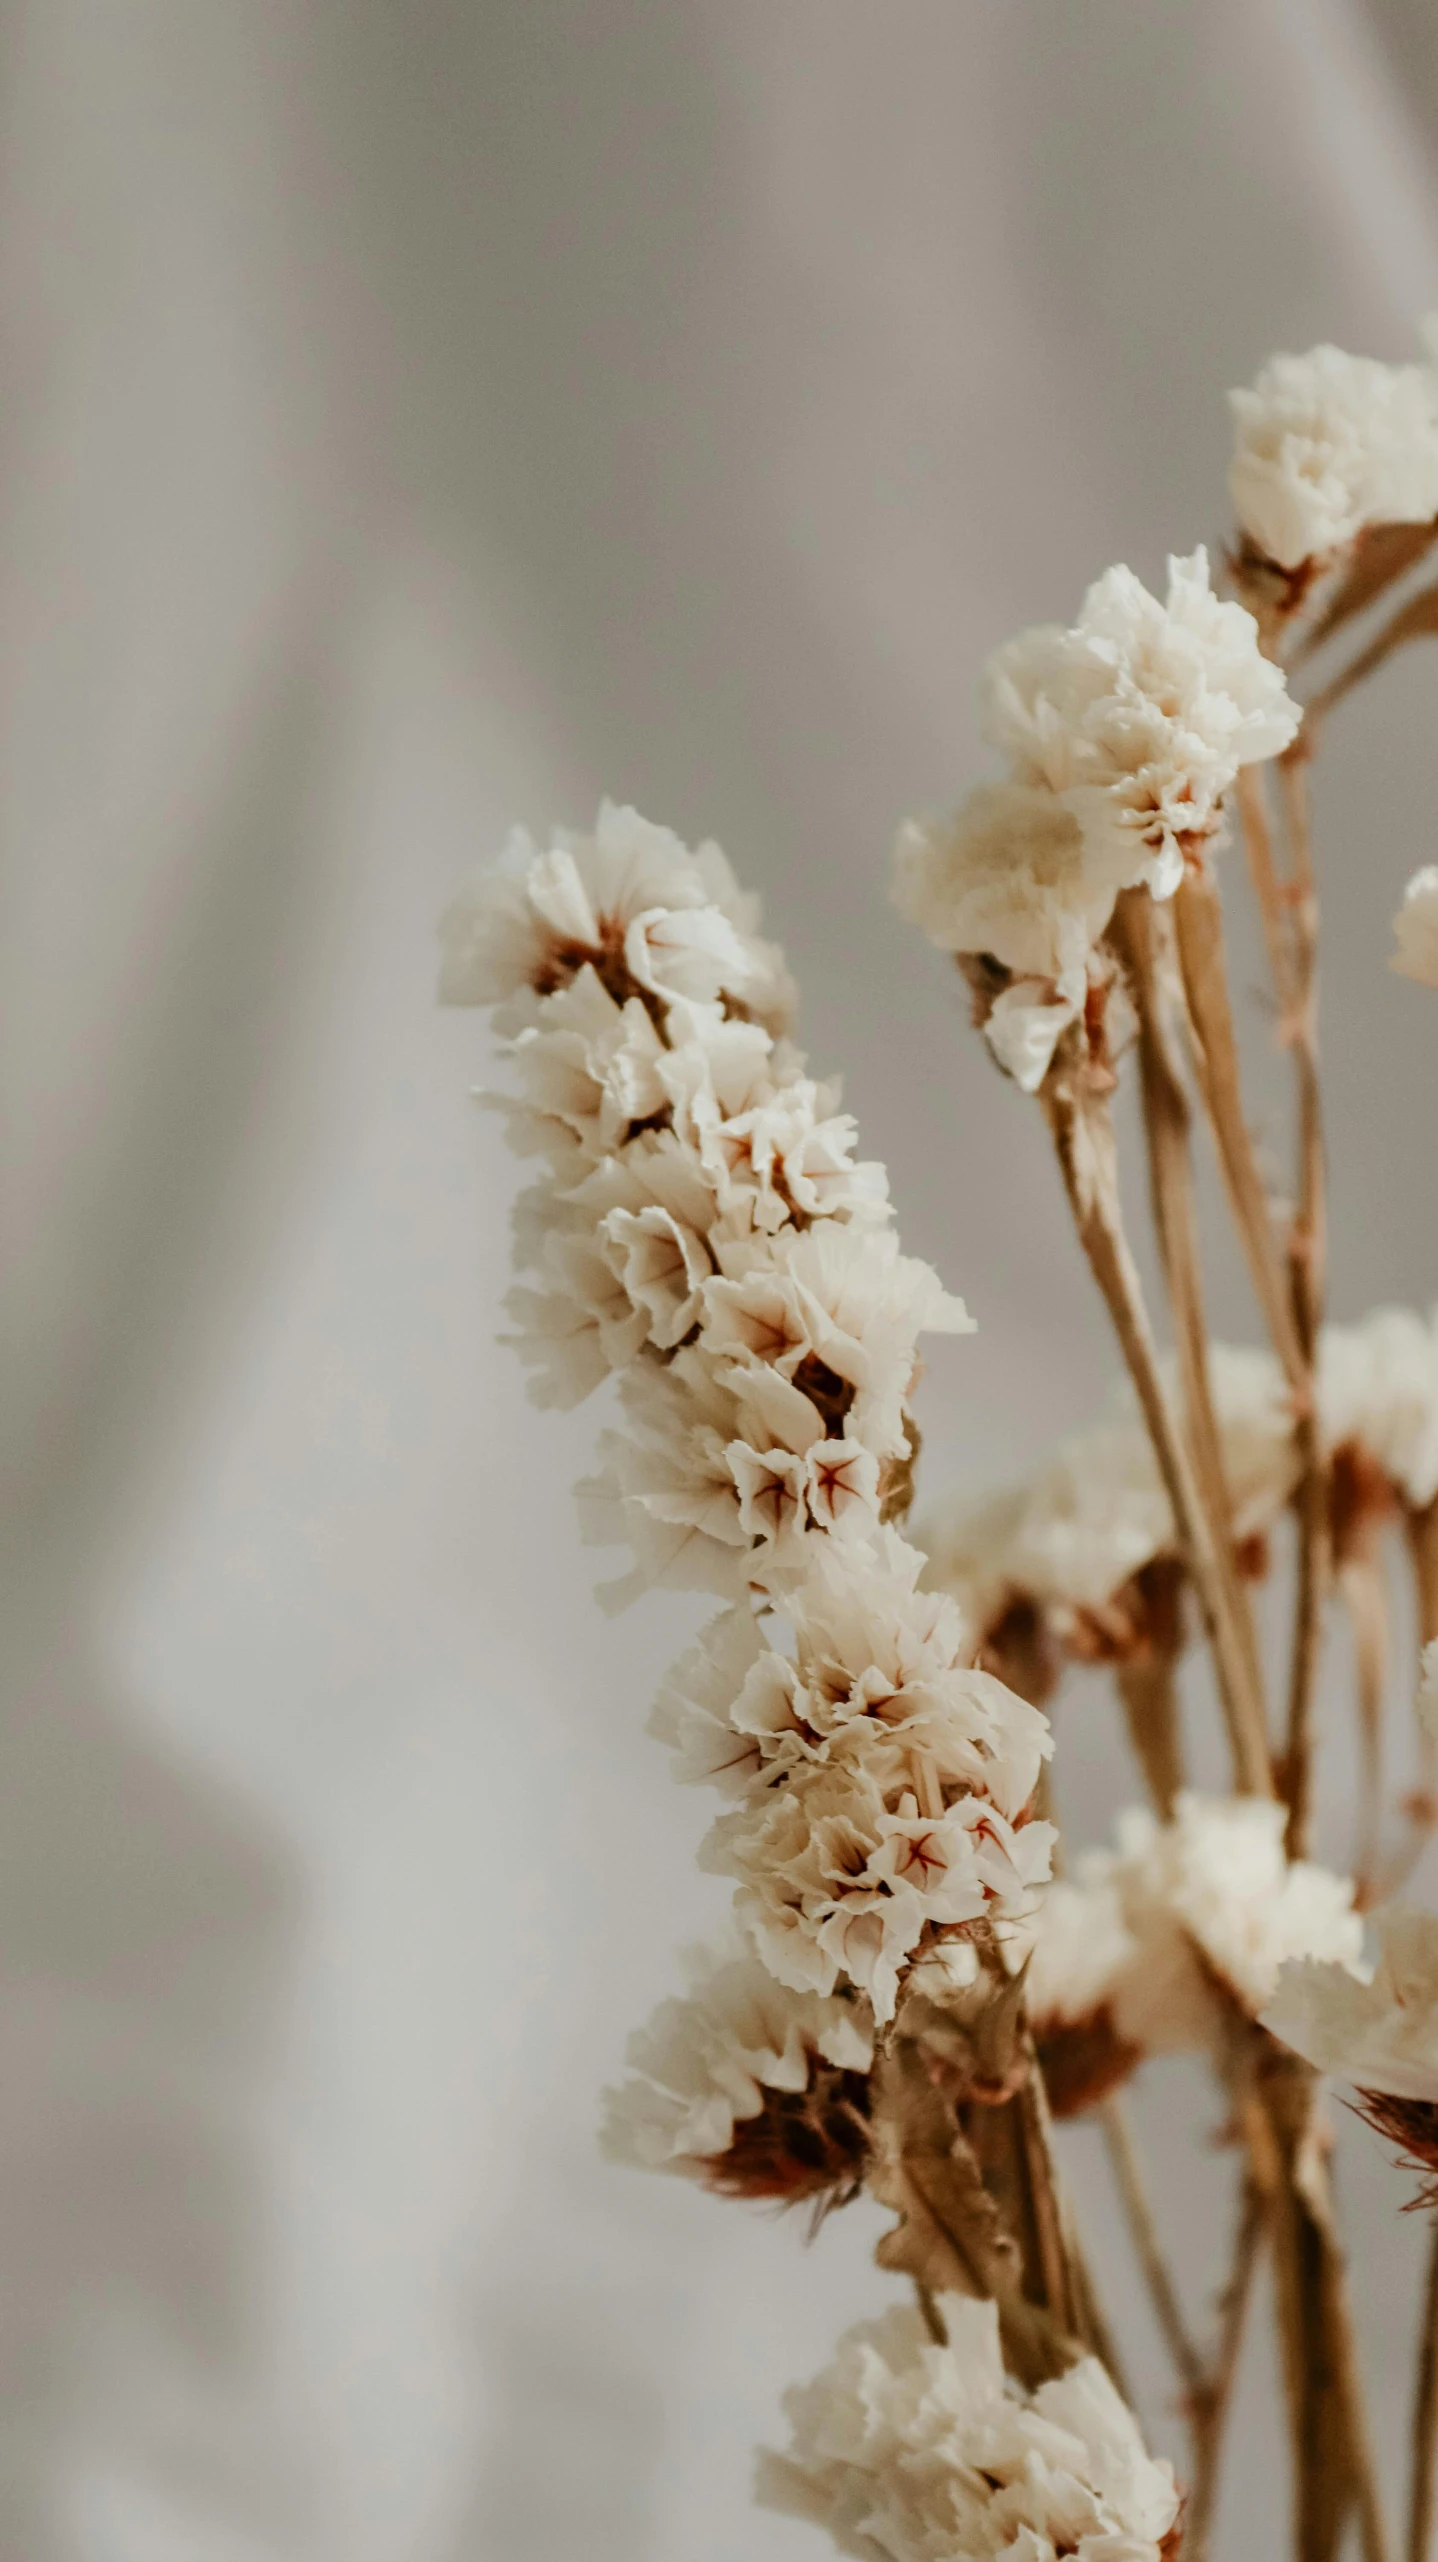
416	416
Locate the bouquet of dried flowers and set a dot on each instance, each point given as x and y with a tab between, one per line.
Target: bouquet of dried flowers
915	1987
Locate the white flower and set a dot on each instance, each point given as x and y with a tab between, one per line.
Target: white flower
1378	1387
836	1311
1383	2035
1011	878
1081	1948
1216	1884
1139	717
730	2084
883	1783
1095	1511
665	1487
908	2452
630	902
1415	928
1327	443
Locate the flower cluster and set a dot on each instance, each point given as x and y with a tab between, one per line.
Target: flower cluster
1122	736
1415	929
1327	444
755	2089
1381	2035
1153	1946
1071	1549
912	2452
703	1229
882	1783
1071	1546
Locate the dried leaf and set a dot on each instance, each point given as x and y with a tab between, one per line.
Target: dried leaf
951	2237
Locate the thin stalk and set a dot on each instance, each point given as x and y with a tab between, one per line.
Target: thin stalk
1137	928
1307	1259
1143	2230
1199	922
1051	2242
1217	2400
1148	1693
1083	1138
1425	2420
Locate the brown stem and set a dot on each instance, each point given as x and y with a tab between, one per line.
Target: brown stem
1363	1586
1199	923
1143	2230
1425	2419
1307	1257
1217	2398
1140	931
1054	2272
1333	2464
1148	1691
1083	1137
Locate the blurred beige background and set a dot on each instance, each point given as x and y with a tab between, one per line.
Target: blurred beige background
418	415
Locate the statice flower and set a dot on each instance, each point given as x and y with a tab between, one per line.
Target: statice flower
1069	1541
754	2089
1139	717
1154	1946
910	2452
882	1785
1326	444
1380	2034
1011	878
703	1229
1415	929
1378	1392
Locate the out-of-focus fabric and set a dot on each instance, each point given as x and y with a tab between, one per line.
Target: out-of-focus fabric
415	418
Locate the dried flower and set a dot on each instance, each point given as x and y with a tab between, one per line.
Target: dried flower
1153	1943
1094	1514
883	1783
704	1230
755	2089
1378	1388
1415	929
916	2453
1010	878
1381	2034
1139	717
1326	444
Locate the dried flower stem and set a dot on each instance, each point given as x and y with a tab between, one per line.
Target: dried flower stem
1148	1692
1137	928
1307	1257
1083	1137
1425	2419
1199	921
1333	2463
1217	2397
1143	2229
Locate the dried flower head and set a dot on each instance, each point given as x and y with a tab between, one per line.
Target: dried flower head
1075	1539
1139	717
917	2453
704	1229
1155	1946
1415	929
1326	444
1380	2035
754	2089
882	1784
